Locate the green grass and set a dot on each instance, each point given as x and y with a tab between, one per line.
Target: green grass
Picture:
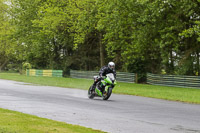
16	122
188	95
161	92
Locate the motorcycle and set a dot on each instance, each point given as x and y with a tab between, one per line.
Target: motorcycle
107	83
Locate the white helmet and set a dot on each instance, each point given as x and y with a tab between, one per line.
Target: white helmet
111	65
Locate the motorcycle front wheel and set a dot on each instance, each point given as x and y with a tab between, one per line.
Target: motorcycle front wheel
108	94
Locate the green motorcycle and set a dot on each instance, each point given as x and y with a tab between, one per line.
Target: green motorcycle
108	83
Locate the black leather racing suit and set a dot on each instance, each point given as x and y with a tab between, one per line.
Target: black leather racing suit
103	71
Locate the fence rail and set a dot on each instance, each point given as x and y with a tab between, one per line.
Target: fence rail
47	73
174	80
121	76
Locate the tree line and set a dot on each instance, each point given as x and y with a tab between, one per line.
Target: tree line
157	36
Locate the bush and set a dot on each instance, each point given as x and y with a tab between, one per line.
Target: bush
25	66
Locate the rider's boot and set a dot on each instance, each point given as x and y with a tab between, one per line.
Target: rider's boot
102	88
104	92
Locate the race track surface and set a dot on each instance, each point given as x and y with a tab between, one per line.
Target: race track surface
120	114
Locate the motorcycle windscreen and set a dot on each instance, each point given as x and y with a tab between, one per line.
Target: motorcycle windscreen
111	76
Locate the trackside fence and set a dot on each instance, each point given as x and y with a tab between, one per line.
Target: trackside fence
121	76
174	80
46	73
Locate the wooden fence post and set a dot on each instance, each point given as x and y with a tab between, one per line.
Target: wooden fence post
136	78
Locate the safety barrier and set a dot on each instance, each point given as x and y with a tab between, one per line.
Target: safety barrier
174	80
121	76
47	73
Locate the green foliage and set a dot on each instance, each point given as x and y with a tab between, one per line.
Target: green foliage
26	65
7	47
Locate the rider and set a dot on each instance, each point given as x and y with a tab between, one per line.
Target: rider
103	71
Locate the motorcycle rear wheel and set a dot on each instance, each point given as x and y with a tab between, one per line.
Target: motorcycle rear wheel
90	93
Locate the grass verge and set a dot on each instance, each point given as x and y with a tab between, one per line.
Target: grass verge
161	92
16	122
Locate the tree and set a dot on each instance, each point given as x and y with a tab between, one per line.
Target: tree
138	35
7	47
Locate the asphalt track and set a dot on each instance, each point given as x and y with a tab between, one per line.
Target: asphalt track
120	114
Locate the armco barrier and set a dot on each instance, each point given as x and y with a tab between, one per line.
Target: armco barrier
174	80
121	76
47	73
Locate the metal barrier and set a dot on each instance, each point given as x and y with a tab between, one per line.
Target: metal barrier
121	76
174	80
47	73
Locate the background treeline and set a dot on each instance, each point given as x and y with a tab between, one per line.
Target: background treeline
157	36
